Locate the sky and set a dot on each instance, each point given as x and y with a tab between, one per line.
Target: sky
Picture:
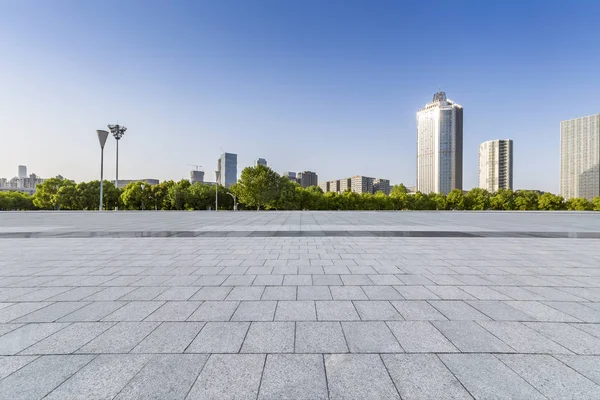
330	86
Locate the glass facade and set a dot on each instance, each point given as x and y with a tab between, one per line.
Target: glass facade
227	167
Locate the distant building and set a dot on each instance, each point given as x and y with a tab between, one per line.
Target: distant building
580	157
124	182
439	146
227	167
22	171
307	178
334	186
345	185
290	175
260	161
382	185
496	165
196	176
362	184
324	186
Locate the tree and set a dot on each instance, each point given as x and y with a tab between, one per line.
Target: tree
12	200
176	196
503	199
45	193
579	204
440	201
289	196
526	200
258	186
200	196
596	203
549	201
66	197
477	199
456	200
133	197
398	190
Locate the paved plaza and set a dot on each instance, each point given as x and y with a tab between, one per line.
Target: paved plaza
300	305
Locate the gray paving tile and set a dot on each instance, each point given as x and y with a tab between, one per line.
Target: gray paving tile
121	338
102	378
255	311
174	311
355	280
295	311
144	293
541	312
279	293
93	312
246	293
69	339
297	376
358	376
314	293
177	293
134	311
336	311
215	311
268	280
229	376
486	377
588	366
110	293
10	364
418	311
469	337
423	377
25	336
522	338
376	311
165	377
219	337
347	293
270	337
416	292
320	337
370	337
212	293
169	337
550	377
420	337
450	293
499	311
18	310
382	293
40	377
5	328
457	310
567	336
581	311
592	329
76	294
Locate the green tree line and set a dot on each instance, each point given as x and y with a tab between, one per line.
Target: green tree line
260	188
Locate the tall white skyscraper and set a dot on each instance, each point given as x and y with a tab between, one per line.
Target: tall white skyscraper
580	157
496	165
439	145
22	171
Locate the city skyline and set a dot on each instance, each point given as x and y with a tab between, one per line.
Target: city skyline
333	91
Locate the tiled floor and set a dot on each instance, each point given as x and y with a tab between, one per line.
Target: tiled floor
345	317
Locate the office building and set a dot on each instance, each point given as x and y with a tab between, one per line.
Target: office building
227	167
382	185
580	157
196	176
22	172
290	175
324	187
439	145
334	186
345	185
361	184
307	178
496	165
260	161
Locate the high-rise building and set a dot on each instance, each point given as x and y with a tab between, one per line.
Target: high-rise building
227	167
196	176
290	175
334	186
260	161
361	184
22	171
382	185
439	145
345	185
307	178
580	157
324	186
496	165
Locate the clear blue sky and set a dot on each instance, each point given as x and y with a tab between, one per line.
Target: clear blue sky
322	85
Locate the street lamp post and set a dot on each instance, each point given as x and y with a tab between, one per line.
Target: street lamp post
102	135
217	173
118	131
234	201
142	187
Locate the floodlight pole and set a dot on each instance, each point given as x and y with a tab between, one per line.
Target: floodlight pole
217	173
102	135
118	131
